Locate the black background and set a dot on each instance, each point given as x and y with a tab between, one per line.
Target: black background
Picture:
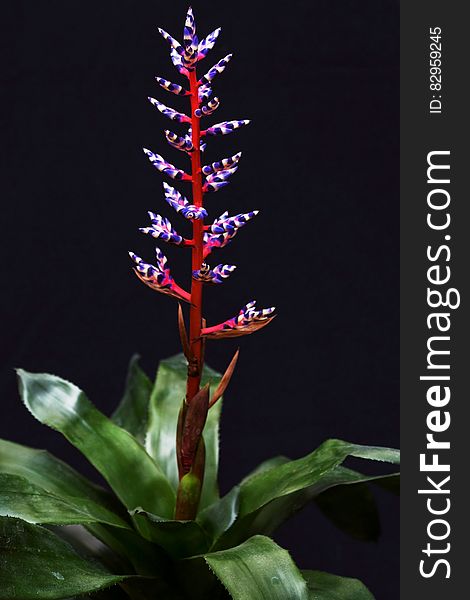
320	81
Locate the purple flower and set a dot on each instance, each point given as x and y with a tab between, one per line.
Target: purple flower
175	45
224	229
170	112
158	276
165	167
218	68
208	43
208	109
247	321
225	127
174	88
163	229
217	180
221	165
179	143
181	204
191	43
178	63
204	92
216	275
208	178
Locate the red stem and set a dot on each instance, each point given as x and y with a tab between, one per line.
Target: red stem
195	316
189	490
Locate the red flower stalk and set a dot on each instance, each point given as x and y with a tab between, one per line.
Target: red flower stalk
207	178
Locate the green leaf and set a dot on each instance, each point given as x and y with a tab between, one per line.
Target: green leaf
324	586
270	463
146	558
219	516
87	545
297	474
268	498
258	569
132	412
352	508
20	498
45	470
165	403
37	565
178	538
118	456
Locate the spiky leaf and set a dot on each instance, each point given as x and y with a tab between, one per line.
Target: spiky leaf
178	538
22	499
258	569
118	456
266	499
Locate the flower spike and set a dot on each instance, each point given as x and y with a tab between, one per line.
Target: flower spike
216	69
165	167
190	449
158	277
208	43
225	127
208	109
163	229
170	112
216	275
181	204
248	321
179	143
174	88
221	165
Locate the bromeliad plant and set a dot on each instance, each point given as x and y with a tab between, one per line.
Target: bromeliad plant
161	531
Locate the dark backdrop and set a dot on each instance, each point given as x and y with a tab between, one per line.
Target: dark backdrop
320	81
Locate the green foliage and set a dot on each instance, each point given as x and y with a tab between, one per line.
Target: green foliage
21	498
114	452
258	569
35	563
324	586
132	412
127	543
